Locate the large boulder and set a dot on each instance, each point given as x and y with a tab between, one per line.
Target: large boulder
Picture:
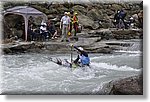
94	14
125	86
87	22
128	86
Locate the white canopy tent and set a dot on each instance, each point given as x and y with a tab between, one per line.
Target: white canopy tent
26	12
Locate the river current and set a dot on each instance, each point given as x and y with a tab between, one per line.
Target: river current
35	74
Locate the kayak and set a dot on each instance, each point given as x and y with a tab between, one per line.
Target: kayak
65	63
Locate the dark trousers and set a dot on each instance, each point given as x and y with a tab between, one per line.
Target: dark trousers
75	26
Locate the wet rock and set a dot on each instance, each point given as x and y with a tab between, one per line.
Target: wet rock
104	34
6	51
100	50
126	34
127	86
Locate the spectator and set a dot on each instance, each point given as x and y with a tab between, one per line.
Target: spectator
75	23
119	19
43	30
116	18
71	21
65	26
32	33
51	29
140	19
122	16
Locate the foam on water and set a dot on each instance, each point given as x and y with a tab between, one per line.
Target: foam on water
132	52
113	67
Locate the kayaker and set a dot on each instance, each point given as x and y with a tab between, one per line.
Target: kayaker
82	58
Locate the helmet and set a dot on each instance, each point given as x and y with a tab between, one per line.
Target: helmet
80	48
75	13
68	13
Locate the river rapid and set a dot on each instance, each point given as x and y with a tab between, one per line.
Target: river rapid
35	74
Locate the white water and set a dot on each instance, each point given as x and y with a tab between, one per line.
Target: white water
34	74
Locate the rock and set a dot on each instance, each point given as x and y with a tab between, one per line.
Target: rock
86	22
128	86
106	25
109	12
85	41
104	34
79	9
55	47
116	6
105	50
125	34
50	16
99	50
6	51
94	14
95	25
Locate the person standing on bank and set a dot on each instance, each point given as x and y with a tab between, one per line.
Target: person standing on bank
65	26
75	23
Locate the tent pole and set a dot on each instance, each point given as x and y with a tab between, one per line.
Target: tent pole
26	28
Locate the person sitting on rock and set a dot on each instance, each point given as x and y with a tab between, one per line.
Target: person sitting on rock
43	30
51	29
31	31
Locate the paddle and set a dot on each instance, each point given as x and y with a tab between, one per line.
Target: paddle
51	59
71	54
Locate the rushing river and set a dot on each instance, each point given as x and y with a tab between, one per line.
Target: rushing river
35	74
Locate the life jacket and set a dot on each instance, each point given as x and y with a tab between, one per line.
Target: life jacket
75	19
84	60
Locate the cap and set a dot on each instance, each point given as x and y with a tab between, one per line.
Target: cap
44	24
65	13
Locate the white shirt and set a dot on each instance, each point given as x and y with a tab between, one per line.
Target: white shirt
65	20
43	28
